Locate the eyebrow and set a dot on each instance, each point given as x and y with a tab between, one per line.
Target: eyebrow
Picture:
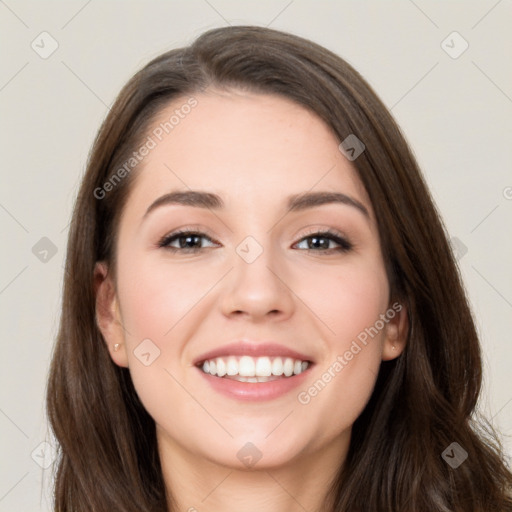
295	203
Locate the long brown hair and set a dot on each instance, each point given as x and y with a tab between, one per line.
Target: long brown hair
423	401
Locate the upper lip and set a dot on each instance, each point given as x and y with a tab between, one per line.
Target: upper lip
254	349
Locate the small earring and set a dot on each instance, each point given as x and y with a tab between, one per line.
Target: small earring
393	347
116	347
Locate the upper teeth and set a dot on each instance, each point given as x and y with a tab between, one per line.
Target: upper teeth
247	366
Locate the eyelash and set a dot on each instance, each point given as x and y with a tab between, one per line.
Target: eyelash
343	243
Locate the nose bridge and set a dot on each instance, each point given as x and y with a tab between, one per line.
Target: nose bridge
255	285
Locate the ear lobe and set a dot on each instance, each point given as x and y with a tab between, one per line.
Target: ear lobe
107	314
396	333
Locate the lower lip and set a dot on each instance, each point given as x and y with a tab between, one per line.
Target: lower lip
255	391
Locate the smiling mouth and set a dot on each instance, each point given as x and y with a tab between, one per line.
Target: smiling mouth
253	369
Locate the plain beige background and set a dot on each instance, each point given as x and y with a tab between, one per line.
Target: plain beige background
454	107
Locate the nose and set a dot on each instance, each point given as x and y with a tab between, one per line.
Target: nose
258	289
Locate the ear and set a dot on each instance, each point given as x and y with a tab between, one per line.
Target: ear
108	316
396	331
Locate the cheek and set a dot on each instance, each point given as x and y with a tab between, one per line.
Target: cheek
155	295
155	301
348	299
349	303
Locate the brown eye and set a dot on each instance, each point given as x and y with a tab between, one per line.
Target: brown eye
322	242
187	241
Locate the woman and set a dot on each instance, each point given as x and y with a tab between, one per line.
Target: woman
261	309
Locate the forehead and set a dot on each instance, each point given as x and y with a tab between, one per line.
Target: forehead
245	147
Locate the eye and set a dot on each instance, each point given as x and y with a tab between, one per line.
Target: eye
322	242
184	241
190	241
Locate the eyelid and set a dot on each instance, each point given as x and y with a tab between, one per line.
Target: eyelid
190	229
325	230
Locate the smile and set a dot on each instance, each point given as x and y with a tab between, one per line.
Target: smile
257	379
253	369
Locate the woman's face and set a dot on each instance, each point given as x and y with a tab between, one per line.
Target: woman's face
254	280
